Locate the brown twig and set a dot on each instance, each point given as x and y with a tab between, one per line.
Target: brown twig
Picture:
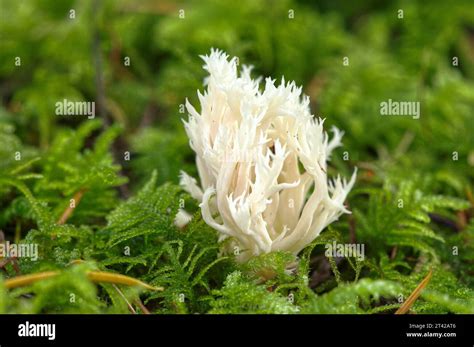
68	211
130	307
414	295
97	55
393	253
142	306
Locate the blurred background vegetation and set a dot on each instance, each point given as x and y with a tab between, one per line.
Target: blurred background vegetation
139	105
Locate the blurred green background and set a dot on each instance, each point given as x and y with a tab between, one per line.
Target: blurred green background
86	58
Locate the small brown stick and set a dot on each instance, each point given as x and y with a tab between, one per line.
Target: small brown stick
17	231
414	295
130	307
94	276
24	280
68	211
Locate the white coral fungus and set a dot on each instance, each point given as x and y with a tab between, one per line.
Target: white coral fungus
261	158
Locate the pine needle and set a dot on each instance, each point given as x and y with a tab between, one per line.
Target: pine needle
94	276
68	211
